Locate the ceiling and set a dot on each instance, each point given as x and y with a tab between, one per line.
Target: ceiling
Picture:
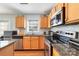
27	8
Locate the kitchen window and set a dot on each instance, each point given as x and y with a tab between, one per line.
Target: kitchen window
3	27
32	26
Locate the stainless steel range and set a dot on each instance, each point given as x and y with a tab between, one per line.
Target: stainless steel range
66	42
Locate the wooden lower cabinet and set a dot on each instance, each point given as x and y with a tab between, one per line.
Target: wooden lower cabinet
26	42
7	51
34	42
28	53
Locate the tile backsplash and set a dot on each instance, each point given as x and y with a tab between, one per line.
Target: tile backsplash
66	28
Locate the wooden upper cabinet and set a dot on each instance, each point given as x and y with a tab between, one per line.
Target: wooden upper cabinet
26	42
34	42
49	18
72	14
56	8
53	11
44	22
20	22
59	6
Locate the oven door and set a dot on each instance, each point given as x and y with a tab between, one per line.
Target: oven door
74	47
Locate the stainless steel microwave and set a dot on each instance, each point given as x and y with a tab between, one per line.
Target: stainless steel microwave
58	18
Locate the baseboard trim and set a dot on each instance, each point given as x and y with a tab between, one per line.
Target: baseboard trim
31	50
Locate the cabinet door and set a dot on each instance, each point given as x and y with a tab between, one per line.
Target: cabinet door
49	18
44	22
56	8
7	51
72	12
20	21
41	42
26	42
59	6
53	11
34	42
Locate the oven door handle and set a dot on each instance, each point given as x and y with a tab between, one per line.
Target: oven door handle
74	43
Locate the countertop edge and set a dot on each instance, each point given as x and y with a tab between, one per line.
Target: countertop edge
8	44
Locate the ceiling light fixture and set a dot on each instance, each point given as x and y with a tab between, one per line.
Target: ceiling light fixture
24	3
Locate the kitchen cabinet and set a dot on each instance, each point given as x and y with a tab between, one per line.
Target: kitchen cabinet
53	11
44	22
20	22
41	42
59	6
34	42
56	8
49	19
7	50
71	10
26	42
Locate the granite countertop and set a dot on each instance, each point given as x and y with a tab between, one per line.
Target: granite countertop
30	35
33	35
5	43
